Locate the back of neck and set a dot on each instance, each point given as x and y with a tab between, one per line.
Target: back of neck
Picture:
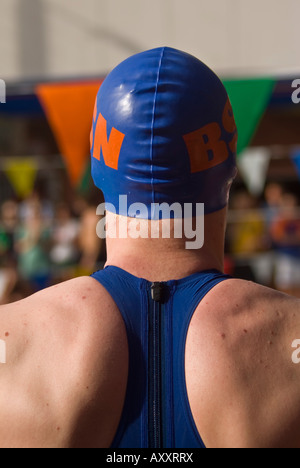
164	259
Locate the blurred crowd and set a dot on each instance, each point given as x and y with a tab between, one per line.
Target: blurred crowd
42	245
263	238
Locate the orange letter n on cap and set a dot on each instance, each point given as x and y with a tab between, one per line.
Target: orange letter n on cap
110	147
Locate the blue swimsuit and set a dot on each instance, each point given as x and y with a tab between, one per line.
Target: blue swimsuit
157	316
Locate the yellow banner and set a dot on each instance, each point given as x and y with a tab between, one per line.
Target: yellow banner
21	172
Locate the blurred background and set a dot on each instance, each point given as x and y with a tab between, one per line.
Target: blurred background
54	54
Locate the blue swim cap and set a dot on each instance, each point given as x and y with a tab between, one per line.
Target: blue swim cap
163	132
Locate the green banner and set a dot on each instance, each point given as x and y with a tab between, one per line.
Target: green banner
249	99
86	180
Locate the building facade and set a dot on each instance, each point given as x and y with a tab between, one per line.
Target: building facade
41	39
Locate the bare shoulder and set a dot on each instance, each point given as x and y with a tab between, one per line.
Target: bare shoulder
240	341
237	312
251	322
64	346
69	307
247	303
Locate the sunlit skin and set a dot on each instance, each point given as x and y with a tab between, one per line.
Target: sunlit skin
64	381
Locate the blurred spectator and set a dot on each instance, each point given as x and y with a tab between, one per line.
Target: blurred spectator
285	232
45	206
8	225
90	245
32	245
247	232
273	201
64	253
247	238
40	245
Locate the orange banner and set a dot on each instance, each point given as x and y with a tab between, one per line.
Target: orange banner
69	109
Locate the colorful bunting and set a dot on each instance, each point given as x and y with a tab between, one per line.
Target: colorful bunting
69	109
21	172
253	165
249	99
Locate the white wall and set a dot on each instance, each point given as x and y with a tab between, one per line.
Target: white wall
58	38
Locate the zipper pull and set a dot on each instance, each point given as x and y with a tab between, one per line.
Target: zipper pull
157	292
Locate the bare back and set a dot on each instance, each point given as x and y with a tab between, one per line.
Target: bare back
65	377
243	385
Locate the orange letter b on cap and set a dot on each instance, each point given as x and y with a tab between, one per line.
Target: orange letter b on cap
110	147
205	148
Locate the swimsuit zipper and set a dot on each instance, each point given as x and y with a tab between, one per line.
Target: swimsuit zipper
155	433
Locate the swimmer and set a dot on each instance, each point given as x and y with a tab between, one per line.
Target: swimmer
160	349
